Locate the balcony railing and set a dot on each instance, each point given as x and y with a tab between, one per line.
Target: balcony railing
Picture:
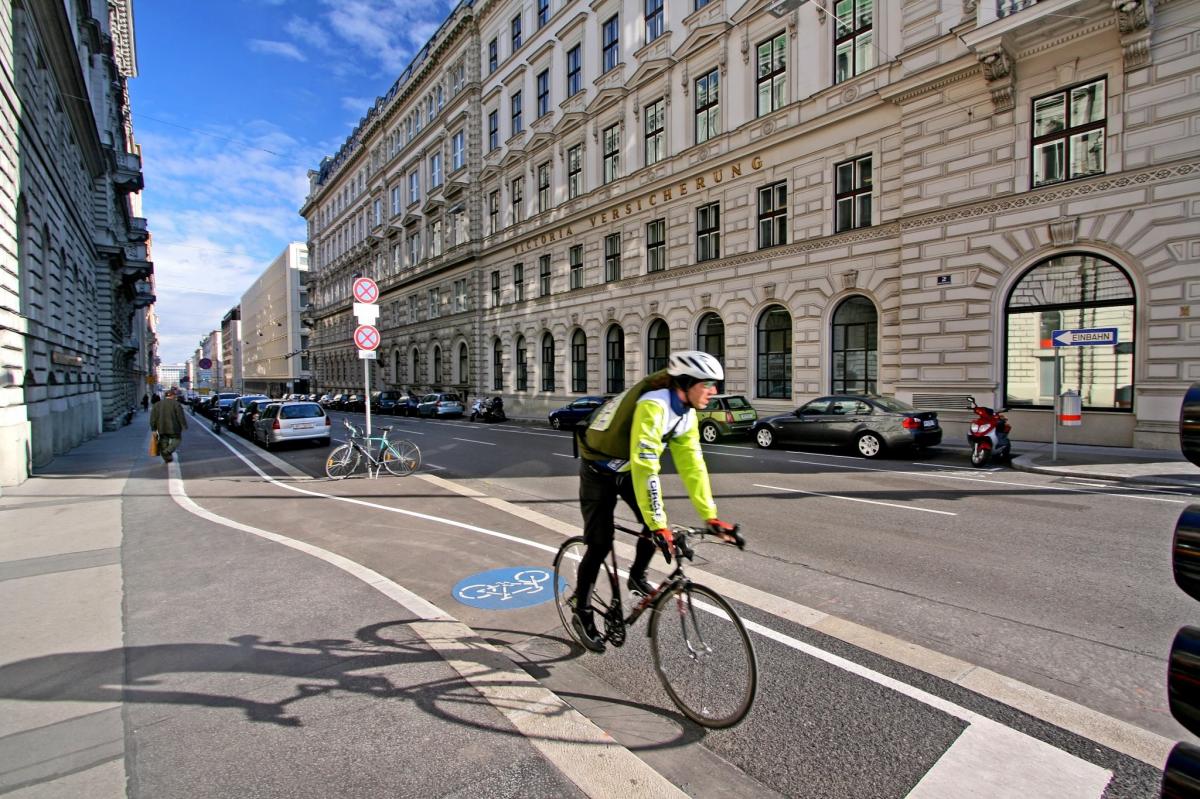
1006	8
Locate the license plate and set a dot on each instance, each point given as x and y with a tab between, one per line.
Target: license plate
302	427
930	422
745	416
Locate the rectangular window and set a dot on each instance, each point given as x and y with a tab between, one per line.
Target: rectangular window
522	365
544	276
576	266
654	20
574	171
853	39
493	130
612	42
414	187
543	12
772	215
397	201
547	363
460	295
612	257
459	151
543	93
1068	134
397	258
517	124
518	199
612	154
497	367
414	249
708	108
493	56
414	307
493	212
772	74
435	238
656	140
656	245
495	288
852	197
516	33
708	232
574	70
435	170
377	213
518	282
435	303
543	191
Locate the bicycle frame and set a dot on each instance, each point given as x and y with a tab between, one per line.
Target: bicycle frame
675	578
357	439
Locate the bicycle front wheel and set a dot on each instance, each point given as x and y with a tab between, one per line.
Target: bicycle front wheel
703	656
566	566
401	457
341	462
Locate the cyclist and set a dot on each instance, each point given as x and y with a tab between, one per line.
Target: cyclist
620	450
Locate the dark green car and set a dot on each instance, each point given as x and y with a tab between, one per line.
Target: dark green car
726	415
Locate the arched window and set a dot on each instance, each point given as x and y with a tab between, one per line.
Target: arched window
397	378
414	361
522	362
497	366
463	364
547	362
775	353
1070	292
658	346
579	362
615	360
710	338
855	347
437	367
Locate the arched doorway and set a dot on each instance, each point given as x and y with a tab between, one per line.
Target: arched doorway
855	356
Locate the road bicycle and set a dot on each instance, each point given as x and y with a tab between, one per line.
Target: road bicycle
378	452
700	647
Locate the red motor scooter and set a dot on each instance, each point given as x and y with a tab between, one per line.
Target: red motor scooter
988	435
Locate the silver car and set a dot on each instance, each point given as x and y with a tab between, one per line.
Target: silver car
441	403
292	421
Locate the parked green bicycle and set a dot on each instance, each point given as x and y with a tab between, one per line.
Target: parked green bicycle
378	452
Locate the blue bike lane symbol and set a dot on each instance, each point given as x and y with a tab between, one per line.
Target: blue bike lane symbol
507	588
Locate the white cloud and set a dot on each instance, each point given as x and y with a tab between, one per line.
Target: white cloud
357	105
221	207
285	49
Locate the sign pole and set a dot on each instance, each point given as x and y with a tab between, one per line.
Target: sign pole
1054	421
367	388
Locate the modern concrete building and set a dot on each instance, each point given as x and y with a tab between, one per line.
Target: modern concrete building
906	198
172	375
231	347
274	340
76	339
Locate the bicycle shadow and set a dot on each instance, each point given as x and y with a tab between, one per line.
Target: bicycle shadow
387	661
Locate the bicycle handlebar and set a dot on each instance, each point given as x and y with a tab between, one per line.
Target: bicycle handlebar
681	533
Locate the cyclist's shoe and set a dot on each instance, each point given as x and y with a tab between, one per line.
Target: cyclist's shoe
585	630
638	585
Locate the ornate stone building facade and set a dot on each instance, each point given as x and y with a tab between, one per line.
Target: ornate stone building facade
907	198
77	337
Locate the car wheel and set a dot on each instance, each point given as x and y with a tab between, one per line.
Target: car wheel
709	433
869	445
764	437
555	423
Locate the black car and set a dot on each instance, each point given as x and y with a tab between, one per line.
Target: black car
574	413
1189	424
385	401
354	402
870	424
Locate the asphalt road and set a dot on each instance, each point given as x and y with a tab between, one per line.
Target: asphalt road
1058	584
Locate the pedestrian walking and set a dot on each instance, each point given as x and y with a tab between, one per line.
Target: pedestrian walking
145	402
168	421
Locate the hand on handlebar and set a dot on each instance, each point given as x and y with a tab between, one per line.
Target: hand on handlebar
664	539
727	532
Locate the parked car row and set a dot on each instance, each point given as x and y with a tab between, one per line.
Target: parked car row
398	403
870	424
268	421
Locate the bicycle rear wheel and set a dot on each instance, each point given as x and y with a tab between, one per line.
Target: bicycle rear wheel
401	457
566	564
341	462
703	656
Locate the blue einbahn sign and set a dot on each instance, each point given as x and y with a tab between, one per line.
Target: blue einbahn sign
1086	337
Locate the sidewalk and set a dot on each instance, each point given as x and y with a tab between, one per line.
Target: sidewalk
155	649
1150	466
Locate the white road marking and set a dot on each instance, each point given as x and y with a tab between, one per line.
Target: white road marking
473	441
727	454
561	455
857	499
582	751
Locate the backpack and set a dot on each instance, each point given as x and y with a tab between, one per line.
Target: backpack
605	433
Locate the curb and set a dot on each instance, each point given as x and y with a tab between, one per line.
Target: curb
1025	463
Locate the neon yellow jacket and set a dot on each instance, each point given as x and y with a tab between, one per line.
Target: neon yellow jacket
654	421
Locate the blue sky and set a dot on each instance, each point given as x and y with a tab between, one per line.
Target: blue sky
234	102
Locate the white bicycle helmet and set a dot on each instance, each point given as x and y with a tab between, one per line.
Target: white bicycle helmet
696	365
